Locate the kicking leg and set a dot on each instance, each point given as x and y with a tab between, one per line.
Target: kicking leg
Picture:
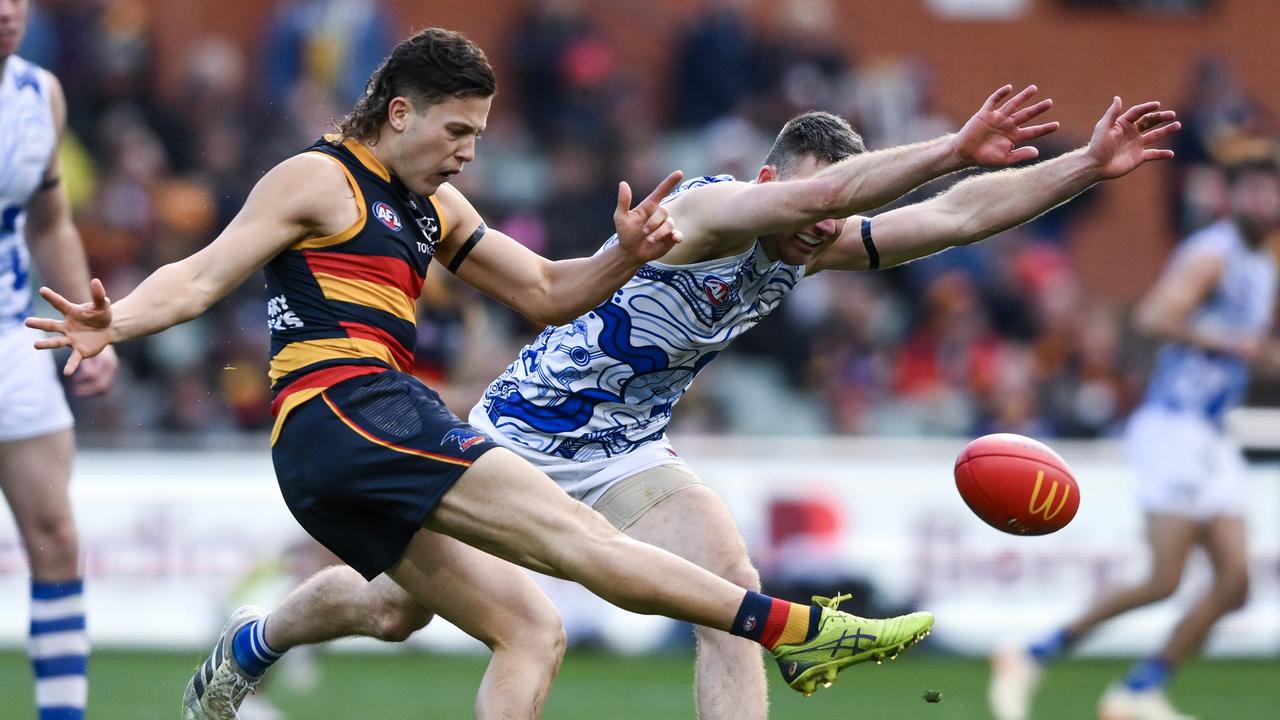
504	506
694	523
35	474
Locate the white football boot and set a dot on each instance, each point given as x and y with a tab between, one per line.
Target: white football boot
1121	703
1015	675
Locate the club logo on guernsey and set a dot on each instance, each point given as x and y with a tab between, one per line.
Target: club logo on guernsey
717	290
464	439
387	216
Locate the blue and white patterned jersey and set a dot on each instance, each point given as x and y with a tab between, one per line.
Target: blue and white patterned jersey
27	138
604	384
1191	379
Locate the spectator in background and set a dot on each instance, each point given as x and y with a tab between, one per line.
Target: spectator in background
334	44
715	65
562	68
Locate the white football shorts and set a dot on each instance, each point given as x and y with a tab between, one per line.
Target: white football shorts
1184	465
31	398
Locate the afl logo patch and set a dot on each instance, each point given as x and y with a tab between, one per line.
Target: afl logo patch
717	289
387	216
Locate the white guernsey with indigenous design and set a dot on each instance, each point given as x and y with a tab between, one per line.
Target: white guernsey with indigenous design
27	137
31	400
1186	465
588	402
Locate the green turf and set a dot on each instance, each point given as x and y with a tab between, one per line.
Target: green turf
146	686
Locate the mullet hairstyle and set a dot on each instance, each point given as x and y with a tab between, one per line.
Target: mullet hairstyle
816	134
430	67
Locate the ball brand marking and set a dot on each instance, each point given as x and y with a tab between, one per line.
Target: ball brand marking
1048	500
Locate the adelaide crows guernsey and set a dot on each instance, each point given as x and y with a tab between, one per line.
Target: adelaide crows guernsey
343	305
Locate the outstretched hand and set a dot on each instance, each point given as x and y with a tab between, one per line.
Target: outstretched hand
994	136
85	327
1122	142
646	232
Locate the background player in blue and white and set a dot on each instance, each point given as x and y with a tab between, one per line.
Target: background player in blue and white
588	401
1213	308
36	440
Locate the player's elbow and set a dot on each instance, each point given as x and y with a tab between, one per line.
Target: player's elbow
826	198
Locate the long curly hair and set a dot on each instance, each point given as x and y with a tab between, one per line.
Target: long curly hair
433	65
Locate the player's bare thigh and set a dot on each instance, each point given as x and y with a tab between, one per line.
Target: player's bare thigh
34	475
507	507
669	506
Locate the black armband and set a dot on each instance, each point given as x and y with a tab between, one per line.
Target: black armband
465	250
873	255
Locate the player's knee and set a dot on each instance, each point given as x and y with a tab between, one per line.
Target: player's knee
398	618
1160	587
53	545
742	573
1234	590
538	636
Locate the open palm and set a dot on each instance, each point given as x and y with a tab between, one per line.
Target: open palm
85	327
1123	141
994	136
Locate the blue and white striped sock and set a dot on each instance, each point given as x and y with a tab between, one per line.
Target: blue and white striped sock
59	649
250	648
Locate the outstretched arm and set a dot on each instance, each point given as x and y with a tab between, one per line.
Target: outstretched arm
993	137
292	201
557	292
985	205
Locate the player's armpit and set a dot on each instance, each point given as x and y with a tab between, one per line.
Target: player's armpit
305	196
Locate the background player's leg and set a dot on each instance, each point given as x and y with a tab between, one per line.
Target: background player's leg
1171	539
338	602
695	524
35	474
498	604
506	507
1224	540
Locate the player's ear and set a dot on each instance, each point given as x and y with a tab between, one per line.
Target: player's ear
768	173
398	110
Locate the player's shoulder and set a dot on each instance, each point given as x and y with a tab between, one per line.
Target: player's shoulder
311	167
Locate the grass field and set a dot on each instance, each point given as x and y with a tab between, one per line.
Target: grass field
148	686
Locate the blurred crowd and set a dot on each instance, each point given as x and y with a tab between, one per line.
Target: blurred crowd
998	336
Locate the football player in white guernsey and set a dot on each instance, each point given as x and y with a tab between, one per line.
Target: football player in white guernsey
36	440
1212	309
569	402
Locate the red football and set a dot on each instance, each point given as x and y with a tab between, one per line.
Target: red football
1017	484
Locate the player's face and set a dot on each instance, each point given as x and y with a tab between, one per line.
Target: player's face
437	141
798	247
13	25
1255	201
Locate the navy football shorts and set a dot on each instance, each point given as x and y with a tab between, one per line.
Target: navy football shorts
363	464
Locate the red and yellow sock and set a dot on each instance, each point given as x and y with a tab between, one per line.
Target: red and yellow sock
773	622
